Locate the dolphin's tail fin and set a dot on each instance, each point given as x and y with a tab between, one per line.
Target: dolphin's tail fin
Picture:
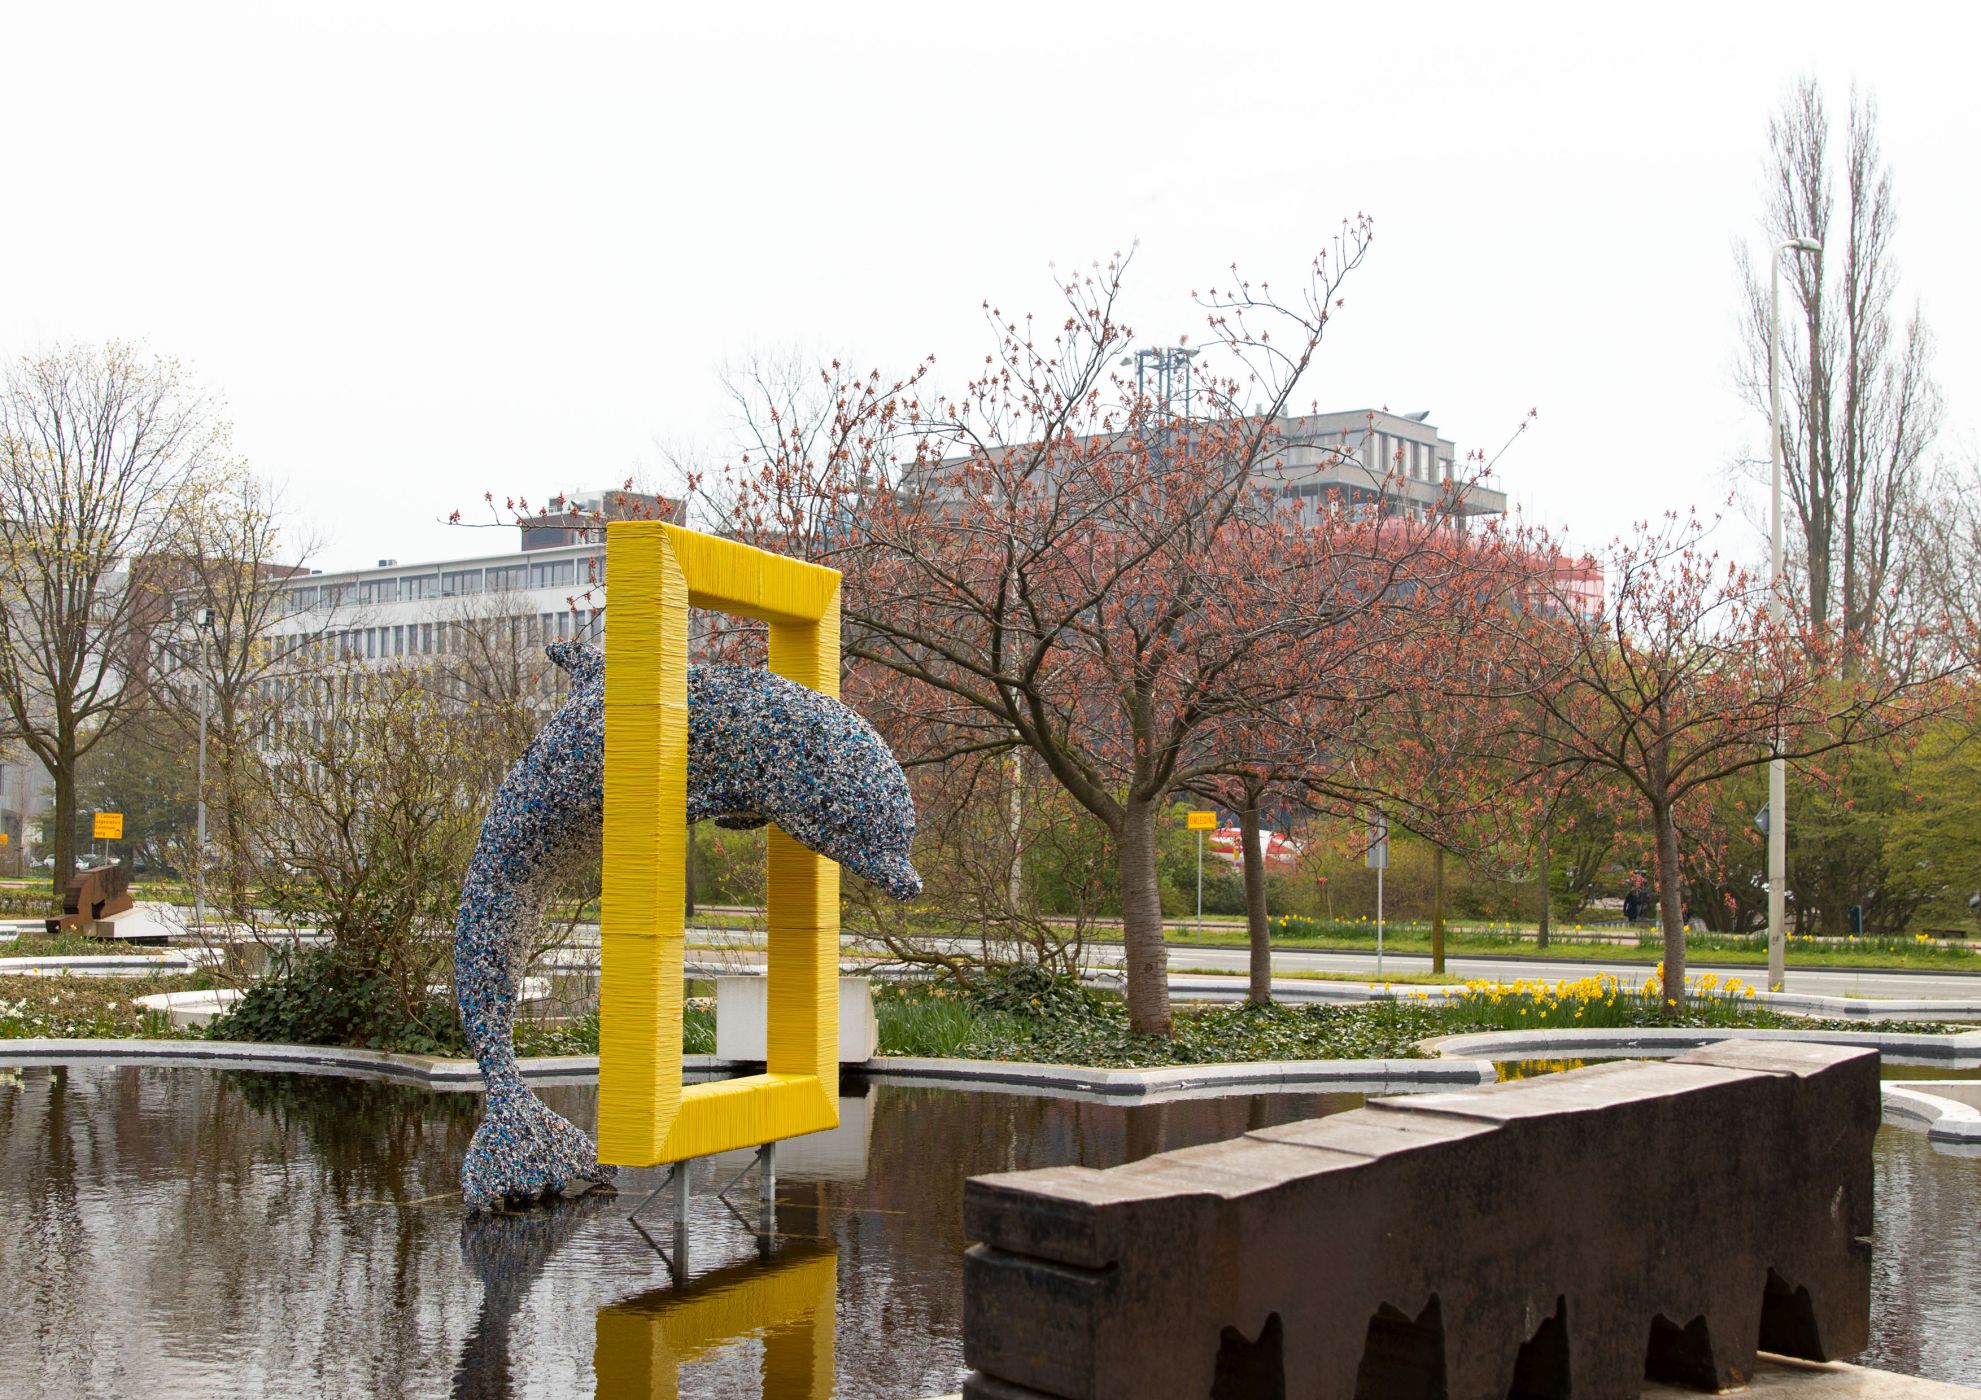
524	1152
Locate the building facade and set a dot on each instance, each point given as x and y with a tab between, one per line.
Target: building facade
550	588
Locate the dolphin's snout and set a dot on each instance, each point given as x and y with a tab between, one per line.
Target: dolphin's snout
892	873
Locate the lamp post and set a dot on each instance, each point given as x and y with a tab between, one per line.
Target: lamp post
1777	769
1171	366
203	621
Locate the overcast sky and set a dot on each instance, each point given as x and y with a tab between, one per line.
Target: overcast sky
430	250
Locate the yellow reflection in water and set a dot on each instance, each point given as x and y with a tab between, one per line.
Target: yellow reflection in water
642	1342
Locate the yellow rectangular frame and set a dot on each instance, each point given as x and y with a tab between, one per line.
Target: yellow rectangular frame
641	1344
646	1116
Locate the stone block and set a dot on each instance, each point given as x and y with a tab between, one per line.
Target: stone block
1558	1237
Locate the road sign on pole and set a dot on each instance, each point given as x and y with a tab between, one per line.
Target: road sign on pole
108	826
1200	822
1378	853
1378	859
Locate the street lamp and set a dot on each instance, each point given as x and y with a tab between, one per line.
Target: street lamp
203	622
1777	769
1171	364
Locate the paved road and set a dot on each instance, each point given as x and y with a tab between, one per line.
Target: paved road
1896	984
1811	981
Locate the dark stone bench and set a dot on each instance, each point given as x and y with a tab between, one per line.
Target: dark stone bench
1558	1237
93	895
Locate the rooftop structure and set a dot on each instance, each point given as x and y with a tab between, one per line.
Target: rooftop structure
1373	456
1355	458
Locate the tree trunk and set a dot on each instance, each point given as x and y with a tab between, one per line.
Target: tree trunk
1144	956
233	826
64	779
1669	908
1260	933
1547	894
1437	910
1016	887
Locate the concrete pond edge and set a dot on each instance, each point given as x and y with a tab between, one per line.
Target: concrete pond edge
1928	1105
1962	1049
1453	1060
1371	1076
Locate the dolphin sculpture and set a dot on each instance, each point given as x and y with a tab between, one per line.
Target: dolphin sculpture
760	749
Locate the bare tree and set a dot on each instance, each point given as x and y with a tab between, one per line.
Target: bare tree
102	454
1948	536
973	915
222	669
1861	411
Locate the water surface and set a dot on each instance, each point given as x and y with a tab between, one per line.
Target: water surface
178	1232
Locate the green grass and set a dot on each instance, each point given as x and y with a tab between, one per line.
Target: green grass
1080	1027
88	1008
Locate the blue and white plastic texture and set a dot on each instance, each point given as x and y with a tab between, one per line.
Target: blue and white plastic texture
760	749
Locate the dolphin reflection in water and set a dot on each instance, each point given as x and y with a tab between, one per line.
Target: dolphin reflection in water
760	749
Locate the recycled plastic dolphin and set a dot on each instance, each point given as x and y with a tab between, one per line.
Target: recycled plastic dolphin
760	749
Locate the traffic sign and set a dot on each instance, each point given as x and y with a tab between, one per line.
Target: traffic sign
109	826
1201	821
1378	857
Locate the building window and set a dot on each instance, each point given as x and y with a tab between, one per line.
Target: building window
426	638
371	644
460	582
399	641
421	586
508	578
379	590
552	573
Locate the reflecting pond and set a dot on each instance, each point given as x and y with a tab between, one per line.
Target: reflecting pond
219	1233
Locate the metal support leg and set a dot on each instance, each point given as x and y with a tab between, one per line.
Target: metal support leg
767	1173
679	1181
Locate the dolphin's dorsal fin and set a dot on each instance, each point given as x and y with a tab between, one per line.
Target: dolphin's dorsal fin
580	660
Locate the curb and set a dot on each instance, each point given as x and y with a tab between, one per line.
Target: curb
172	962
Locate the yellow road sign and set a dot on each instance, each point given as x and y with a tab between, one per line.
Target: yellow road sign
4	838
109	826
1201	821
